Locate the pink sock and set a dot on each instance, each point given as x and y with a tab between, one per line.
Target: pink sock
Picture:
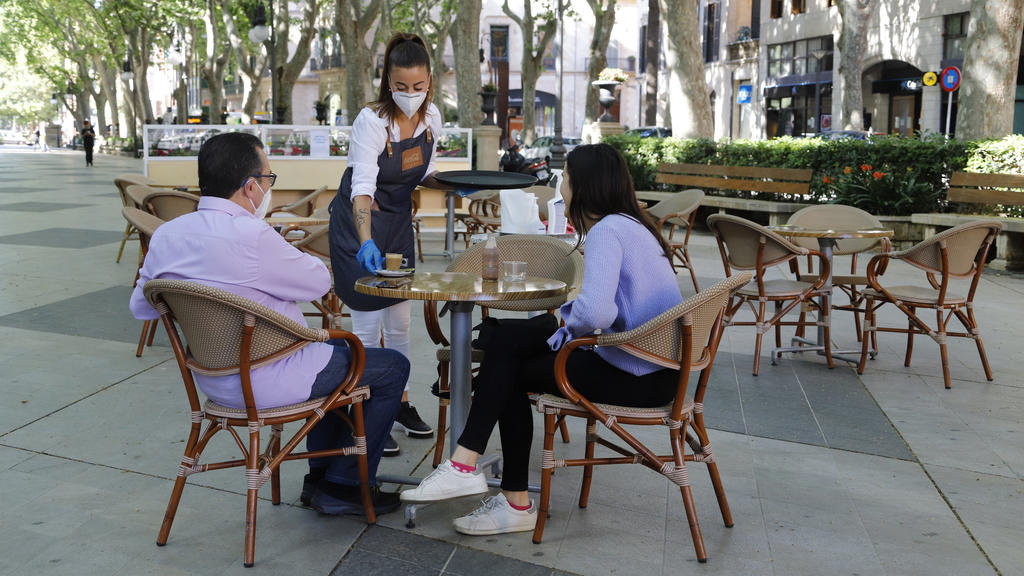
462	467
521	508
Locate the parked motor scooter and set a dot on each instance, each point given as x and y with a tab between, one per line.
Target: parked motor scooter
513	161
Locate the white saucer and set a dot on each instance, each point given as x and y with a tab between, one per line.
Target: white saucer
395	273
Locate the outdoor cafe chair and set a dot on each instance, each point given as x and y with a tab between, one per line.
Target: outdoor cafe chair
679	210
304	206
122	183
959	252
168	204
545	257
745	245
683	338
316	242
228	334
839	217
145	224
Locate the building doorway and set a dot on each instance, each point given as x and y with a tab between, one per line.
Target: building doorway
901	120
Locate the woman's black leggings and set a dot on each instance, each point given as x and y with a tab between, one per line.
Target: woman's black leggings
518	360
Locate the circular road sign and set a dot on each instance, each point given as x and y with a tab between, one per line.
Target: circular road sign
950	78
930	79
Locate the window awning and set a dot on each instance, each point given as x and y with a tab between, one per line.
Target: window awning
541	99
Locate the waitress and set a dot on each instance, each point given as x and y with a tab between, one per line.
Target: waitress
391	151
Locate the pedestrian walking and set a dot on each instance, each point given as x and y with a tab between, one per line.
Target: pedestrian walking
88	141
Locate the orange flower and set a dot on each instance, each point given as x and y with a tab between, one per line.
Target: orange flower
865	167
847	170
878	175
826	180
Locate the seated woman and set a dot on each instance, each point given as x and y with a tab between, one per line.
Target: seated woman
628	280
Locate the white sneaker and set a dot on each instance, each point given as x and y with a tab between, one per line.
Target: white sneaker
446	482
496	516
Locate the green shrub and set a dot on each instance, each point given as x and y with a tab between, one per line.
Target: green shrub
916	170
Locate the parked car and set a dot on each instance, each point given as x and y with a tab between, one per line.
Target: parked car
845	134
542	147
12	137
649	131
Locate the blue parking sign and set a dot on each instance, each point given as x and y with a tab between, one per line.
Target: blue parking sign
744	93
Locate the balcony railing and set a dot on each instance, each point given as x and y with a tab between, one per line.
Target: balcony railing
627	64
743	50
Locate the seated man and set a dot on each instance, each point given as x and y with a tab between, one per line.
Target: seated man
227	245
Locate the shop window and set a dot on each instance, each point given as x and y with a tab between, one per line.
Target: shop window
776	9
954	36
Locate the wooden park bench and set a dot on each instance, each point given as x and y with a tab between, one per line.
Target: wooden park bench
789	181
988	189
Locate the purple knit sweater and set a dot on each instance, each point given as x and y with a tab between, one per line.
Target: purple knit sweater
626	282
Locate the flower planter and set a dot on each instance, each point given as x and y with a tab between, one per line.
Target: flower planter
490	103
606	97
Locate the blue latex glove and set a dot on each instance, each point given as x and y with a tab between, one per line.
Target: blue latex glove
462	192
369	257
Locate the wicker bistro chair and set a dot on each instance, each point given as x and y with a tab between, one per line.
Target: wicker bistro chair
745	245
145	224
330	308
169	204
683	338
304	206
959	252
228	334
546	257
681	211
839	217
122	183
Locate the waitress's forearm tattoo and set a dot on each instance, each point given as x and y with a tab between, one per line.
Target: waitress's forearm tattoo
362	216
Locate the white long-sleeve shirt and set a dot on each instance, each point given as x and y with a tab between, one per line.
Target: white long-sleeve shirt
370	134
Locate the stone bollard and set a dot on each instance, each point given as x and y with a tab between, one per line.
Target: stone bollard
599	130
487	148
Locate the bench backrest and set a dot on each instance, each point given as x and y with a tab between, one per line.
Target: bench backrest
982	188
748	178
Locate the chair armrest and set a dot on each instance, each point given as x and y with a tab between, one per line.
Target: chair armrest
561	376
355	368
430	318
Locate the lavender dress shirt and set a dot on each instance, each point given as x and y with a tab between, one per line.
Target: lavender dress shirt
224	246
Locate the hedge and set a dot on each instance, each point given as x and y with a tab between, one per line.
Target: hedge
903	175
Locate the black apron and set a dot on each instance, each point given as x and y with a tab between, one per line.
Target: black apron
390	226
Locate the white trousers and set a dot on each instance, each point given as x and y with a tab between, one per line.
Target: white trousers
392	323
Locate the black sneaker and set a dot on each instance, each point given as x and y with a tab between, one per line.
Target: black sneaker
337	499
309	482
409	421
391	447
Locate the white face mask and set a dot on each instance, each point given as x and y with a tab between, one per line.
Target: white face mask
409	103
261	210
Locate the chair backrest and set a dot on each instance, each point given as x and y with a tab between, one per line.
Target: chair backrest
740	239
545	257
662	340
317	242
213	320
123	181
144	222
836	217
964	246
303	206
685	202
169	204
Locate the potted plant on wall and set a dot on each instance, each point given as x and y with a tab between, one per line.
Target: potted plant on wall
321	111
607	80
489	94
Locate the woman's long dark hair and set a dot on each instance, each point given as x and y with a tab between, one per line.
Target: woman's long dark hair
601	185
403	51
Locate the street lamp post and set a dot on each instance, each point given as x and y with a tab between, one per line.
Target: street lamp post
558	145
127	75
262	32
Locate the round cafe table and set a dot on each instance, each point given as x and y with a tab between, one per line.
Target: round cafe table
465	183
826	238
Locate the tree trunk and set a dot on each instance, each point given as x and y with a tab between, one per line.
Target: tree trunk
353	24
251	67
990	69
531	62
437	34
288	70
652	51
218	53
108	86
604	21
853	43
128	97
687	91
142	58
466	43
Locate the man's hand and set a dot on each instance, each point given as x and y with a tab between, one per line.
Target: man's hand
369	257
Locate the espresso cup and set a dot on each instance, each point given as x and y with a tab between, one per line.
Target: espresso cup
394	262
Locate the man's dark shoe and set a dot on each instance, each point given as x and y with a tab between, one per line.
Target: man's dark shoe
409	421
338	499
391	447
309	482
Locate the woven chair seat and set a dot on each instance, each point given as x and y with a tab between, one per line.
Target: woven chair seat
558	404
837	279
213	409
776	288
444	354
915	295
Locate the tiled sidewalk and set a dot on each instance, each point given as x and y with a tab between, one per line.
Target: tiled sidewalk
826	471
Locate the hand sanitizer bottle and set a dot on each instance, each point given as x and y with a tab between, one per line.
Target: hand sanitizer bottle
556	214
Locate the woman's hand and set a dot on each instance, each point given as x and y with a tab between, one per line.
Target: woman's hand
369	257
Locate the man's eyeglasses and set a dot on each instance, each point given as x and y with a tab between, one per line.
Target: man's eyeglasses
272	176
